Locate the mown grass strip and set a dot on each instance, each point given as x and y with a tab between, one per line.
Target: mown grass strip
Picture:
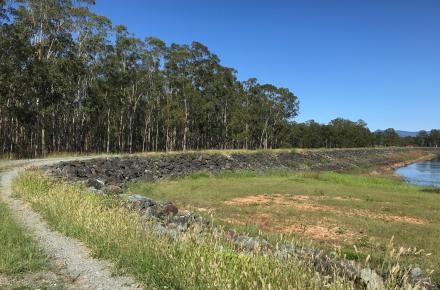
18	252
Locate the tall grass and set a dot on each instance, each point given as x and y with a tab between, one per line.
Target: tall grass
345	193
194	261
191	262
8	156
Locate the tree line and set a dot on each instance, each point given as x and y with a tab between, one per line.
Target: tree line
341	133
71	81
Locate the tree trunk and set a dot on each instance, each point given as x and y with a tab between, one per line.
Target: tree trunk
108	131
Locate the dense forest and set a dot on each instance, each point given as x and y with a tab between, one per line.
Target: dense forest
70	81
341	133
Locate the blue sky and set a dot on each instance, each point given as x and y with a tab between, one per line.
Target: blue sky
377	60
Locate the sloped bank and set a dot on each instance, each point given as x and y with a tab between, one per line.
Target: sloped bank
110	175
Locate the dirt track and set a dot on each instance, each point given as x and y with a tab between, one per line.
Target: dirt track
71	259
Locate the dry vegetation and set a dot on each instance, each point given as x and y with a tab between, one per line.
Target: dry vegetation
357	213
194	261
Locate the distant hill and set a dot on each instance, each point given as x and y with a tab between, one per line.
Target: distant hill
406	133
403	133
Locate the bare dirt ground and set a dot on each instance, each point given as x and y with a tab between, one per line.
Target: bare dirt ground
304	203
70	259
49	279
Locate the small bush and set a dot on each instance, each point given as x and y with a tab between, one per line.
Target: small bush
431	190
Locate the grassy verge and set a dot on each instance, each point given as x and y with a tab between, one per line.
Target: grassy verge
359	214
18	254
193	262
22	263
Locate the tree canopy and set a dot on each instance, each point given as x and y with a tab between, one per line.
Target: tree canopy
72	81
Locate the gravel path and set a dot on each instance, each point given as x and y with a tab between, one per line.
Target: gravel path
70	257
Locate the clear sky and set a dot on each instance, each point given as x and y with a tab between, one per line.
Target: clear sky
377	60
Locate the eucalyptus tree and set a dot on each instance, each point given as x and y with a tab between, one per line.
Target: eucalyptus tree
129	81
239	121
12	47
346	133
70	81
45	30
212	92
283	107
313	135
90	34
434	138
390	137
265	111
179	92
422	138
226	91
44	26
153	115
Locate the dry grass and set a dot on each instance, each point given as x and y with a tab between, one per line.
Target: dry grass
193	262
332	209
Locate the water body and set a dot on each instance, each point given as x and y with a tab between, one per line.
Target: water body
426	173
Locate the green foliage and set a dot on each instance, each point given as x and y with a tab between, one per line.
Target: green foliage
425	139
339	133
66	84
390	138
70	81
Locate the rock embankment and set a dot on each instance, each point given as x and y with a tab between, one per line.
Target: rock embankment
110	175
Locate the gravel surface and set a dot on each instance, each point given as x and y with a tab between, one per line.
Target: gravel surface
71	258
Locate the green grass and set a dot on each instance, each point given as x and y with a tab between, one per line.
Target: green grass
23	265
194	262
361	210
19	253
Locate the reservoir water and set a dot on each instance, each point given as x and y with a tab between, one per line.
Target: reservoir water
425	173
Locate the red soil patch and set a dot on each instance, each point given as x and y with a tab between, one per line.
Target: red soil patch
387	217
249	200
303	202
266	199
343	198
318	232
203	209
322	232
